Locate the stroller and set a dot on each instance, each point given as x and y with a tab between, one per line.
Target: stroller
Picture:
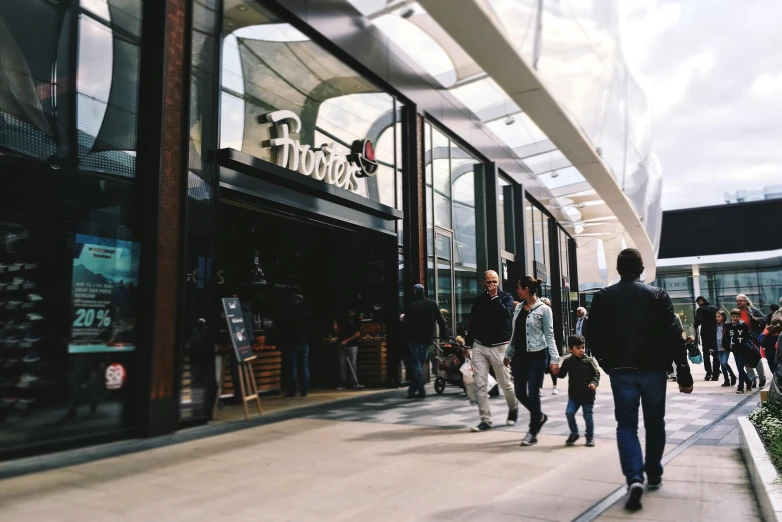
448	362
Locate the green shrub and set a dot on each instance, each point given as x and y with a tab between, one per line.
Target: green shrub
767	419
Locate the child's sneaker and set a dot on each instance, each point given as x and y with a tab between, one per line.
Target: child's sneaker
555	391
572	439
590	442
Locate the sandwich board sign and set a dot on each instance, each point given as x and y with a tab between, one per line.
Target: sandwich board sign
240	337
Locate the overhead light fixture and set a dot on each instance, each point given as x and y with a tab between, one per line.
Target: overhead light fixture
510	120
407	13
242	8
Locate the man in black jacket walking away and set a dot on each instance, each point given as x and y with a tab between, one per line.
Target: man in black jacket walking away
488	333
706	319
420	318
634	335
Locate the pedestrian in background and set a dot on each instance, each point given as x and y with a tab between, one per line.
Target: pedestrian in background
634	334
756	322
294	327
420	319
724	350
554	390
581	324
532	347
738	338
706	332
488	334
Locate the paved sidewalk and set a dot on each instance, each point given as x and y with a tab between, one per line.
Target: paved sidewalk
395	460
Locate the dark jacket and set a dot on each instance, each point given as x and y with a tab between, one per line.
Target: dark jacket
706	318
294	327
632	325
583	372
737	337
757	321
490	319
420	318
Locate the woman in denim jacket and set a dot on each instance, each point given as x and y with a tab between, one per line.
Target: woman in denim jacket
532	339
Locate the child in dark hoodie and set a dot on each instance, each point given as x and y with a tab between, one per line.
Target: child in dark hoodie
737	336
583	382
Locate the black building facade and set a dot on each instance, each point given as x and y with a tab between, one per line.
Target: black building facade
159	156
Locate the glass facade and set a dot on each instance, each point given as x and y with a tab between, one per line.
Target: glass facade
450	191
268	66
69	251
71	358
763	286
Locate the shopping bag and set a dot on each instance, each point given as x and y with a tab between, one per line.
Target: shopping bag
467	376
697	359
491	383
472	393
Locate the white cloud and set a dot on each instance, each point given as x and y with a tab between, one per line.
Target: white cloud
768	85
713	81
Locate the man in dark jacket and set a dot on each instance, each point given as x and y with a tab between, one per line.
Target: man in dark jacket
634	335
488	333
420	318
706	319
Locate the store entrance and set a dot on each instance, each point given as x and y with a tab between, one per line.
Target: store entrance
266	259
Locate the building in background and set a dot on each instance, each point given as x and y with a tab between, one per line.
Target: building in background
159	156
720	252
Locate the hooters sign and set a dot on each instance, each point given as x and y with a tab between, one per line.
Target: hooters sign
322	163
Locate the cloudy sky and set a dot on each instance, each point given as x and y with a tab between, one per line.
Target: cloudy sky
713	73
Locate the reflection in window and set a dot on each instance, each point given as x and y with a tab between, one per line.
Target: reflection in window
450	204
529	235
69	94
271	66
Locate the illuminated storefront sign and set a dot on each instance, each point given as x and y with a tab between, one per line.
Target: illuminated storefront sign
322	163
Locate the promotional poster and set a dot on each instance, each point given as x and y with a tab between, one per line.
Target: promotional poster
105	285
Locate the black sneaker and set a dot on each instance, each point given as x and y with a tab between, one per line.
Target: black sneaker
634	494
481	427
740	390
733	380
726	384
572	439
513	416
762	382
707	378
590	442
654	483
529	440
715	378
543	421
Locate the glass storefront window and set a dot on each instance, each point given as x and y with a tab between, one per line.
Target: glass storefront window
450	204
529	235
269	66
69	254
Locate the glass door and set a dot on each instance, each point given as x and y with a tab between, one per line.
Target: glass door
444	293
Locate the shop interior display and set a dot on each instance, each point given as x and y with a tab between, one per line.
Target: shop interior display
21	322
266	259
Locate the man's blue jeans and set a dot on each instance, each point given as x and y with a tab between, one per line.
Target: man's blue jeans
418	354
300	354
632	388
572	408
